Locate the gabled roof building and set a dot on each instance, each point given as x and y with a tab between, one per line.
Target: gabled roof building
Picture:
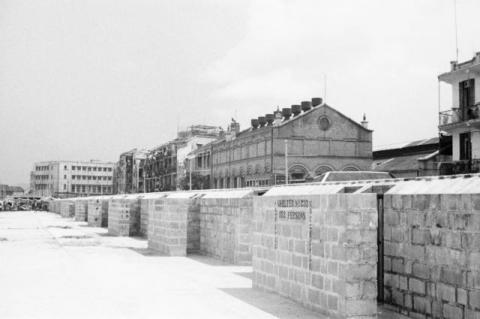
310	138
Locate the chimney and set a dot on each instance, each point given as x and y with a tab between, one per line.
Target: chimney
296	109
234	127
262	121
453	65
364	122
286	112
316	101
277	117
306	105
269	118
254	124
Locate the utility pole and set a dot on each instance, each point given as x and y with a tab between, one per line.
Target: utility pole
286	162
190	172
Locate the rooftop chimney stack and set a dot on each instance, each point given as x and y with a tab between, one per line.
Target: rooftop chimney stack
316	101
254	124
262	121
269	118
306	105
364	122
286	112
296	109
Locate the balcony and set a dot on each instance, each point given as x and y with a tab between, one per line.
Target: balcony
459	167
459	117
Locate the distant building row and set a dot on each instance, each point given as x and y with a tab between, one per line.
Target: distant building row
310	137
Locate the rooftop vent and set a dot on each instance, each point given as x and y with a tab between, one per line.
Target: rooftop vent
269	118
286	112
316	101
296	109
262	121
306	105
254	123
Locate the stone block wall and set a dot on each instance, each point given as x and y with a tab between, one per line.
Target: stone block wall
226	229
65	208
147	204
319	250
167	225
432	255
94	208
124	215
80	210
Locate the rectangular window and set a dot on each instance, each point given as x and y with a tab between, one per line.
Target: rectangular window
467	98
465	146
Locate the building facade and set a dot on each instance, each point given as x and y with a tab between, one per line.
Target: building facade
462	120
164	167
128	176
311	138
71	178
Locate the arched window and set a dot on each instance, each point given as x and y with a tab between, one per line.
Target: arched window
322	169
297	173
350	169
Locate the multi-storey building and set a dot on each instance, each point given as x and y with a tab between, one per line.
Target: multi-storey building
311	142
164	167
462	120
71	178
128	177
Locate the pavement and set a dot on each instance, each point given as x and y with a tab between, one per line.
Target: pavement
53	267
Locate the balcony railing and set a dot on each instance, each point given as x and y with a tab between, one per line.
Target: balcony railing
459	167
456	115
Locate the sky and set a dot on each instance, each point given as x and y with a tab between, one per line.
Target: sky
90	79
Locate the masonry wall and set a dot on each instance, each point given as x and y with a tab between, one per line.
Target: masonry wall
94	208
124	215
318	250
432	255
225	226
80	210
66	208
167	229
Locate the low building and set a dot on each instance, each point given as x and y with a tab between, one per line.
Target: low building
164	166
7	190
312	138
462	119
417	158
71	178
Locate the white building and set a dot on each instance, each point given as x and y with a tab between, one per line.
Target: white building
71	178
462	120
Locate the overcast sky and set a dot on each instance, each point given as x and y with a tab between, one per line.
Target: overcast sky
84	80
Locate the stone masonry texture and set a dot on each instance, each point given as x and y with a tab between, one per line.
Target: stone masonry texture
226	229
167	228
124	216
97	212
320	250
432	255
80	210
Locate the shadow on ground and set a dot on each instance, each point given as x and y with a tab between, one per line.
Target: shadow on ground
246	274
207	260
273	304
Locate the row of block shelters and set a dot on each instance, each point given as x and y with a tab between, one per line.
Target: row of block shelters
336	247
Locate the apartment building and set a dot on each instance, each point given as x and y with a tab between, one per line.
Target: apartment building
72	178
